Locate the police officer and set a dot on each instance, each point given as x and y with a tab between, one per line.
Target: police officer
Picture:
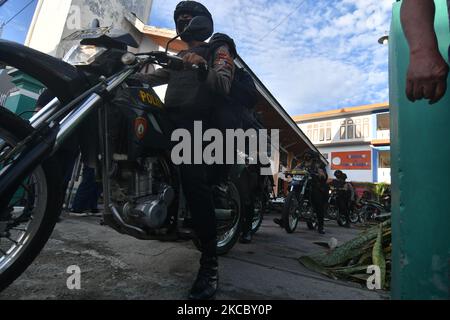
319	188
343	195
191	98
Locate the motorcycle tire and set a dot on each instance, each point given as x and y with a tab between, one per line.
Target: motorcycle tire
289	218
232	235
362	216
354	216
258	216
332	212
312	225
341	220
47	205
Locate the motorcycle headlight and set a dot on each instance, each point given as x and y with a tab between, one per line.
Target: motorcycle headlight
83	55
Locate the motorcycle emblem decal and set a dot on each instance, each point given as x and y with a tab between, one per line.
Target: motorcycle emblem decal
140	128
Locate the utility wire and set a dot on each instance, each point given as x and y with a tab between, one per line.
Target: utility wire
284	20
22	10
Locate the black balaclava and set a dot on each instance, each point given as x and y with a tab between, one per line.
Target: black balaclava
195	9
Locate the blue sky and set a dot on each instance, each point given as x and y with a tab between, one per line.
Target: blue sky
324	56
16	30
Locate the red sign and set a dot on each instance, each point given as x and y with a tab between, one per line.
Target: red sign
352	160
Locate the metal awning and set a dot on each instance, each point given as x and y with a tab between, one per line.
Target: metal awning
274	116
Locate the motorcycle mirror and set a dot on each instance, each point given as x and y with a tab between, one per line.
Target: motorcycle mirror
196	25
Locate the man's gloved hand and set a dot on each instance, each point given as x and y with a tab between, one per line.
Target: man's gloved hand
191	58
427	76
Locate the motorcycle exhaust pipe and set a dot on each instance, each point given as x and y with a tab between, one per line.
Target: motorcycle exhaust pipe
118	219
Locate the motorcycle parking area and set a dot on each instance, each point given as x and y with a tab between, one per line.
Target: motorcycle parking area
115	266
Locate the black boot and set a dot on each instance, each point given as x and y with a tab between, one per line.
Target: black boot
206	284
246	237
279	222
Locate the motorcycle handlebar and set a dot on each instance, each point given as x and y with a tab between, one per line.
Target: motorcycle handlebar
169	61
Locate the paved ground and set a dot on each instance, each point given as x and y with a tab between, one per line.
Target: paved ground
115	266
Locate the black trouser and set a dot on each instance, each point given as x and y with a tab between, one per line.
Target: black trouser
319	201
225	117
343	200
196	183
247	185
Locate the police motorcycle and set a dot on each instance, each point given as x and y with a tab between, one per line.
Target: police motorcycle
141	189
371	210
332	211
298	205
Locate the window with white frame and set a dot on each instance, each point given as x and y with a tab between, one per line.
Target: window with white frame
350	129
328	132
322	132
309	131
343	131
358	132
366	131
316	133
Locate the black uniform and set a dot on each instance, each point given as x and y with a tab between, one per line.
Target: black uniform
342	199
188	100
319	191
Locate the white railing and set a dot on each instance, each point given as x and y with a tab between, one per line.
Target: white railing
383	134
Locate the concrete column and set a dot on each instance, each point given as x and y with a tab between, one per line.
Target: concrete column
420	176
55	20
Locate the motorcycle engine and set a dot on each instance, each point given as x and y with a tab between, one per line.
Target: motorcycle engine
143	193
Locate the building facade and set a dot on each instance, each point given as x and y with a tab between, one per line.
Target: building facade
355	140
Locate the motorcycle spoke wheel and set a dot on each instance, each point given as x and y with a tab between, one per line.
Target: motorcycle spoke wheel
26	212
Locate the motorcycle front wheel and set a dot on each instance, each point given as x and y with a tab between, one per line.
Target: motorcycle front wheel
32	212
332	212
228	230
354	216
290	216
258	215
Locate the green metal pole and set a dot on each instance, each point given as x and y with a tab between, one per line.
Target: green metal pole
420	176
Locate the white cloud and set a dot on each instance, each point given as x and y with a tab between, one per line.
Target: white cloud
326	55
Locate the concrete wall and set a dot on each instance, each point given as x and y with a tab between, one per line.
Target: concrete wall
48	24
55	20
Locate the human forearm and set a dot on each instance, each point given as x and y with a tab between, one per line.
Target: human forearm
220	77
417	17
158	77
427	71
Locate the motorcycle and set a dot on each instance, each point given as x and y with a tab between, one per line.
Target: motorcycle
262	200
141	187
298	206
375	211
332	212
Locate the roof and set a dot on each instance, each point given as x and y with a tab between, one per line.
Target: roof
159	35
277	118
343	112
